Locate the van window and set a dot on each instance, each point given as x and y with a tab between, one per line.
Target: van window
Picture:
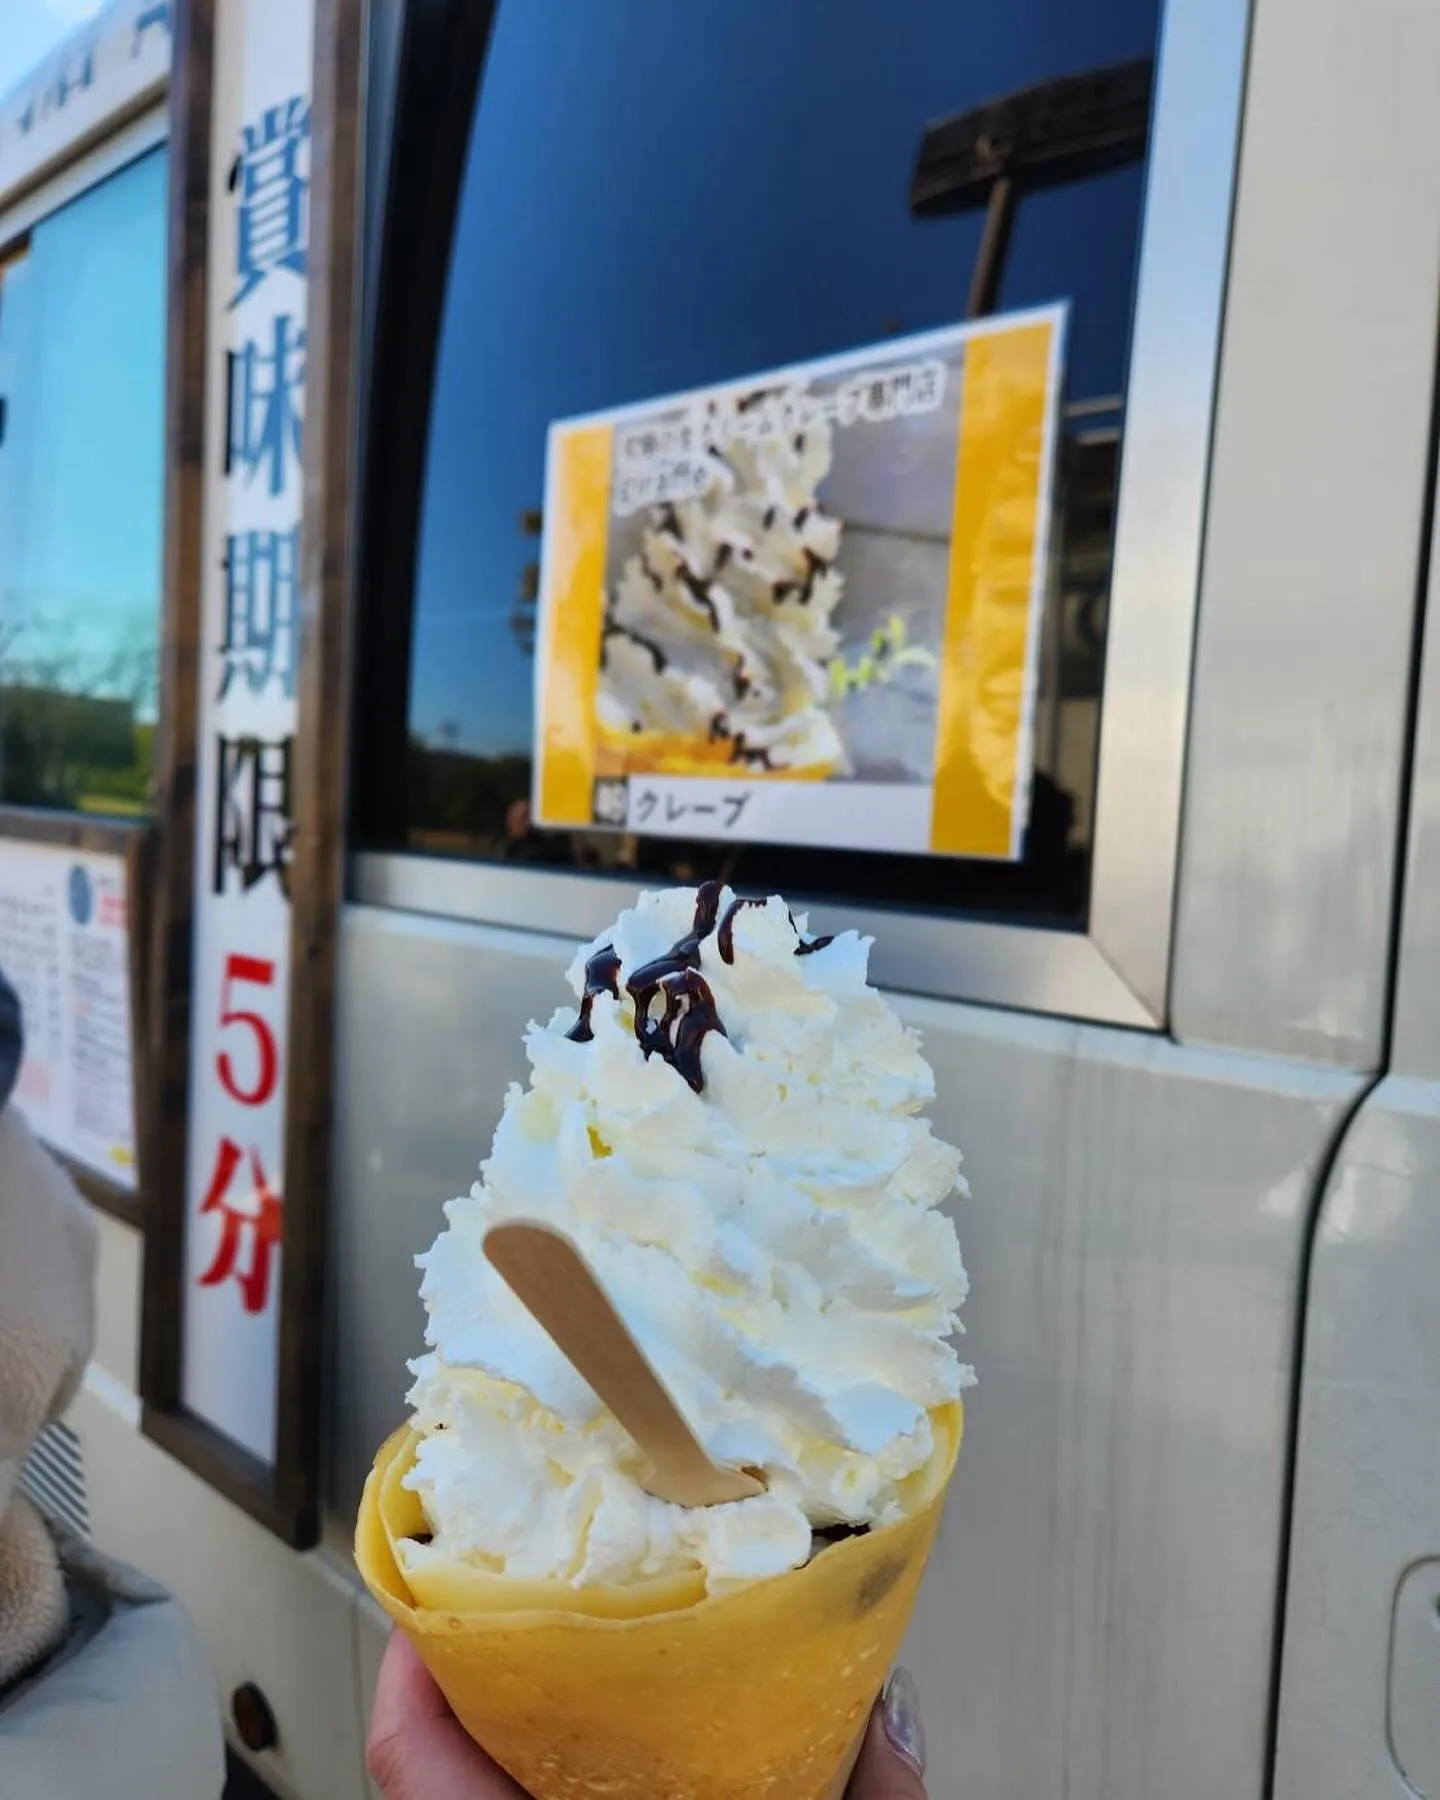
82	385
657	198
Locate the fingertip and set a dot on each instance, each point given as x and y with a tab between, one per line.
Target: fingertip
884	1771
416	1748
900	1715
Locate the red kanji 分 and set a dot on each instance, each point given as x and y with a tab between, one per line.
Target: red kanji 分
264	1223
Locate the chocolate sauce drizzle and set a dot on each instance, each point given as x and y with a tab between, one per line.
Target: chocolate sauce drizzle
699	591
803	590
602	976
612	629
725	934
684	953
750	756
742	751
808	946
678	1033
690	1013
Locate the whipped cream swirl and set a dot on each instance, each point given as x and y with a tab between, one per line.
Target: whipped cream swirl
771	1232
723	626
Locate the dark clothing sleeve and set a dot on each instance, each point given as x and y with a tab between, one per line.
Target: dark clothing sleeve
12	1039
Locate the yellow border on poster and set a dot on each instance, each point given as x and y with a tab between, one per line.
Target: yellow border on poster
990	614
577	517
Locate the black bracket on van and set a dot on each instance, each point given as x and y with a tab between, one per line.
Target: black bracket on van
1039	137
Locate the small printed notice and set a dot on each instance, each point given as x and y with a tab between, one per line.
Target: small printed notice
64	947
804	607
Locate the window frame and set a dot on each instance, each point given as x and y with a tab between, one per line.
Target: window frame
131	840
146	132
1114	969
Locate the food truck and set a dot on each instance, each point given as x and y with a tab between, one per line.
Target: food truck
357	362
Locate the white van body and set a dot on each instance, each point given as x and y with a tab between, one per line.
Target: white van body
1193	1548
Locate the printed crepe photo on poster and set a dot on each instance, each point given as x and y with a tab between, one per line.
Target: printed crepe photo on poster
804	607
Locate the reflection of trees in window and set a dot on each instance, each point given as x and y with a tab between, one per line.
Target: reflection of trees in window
77	718
82	327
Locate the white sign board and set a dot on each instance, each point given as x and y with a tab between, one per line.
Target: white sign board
113	65
259	228
64	946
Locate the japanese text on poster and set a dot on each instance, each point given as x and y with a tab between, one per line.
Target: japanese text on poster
259	226
805	607
65	948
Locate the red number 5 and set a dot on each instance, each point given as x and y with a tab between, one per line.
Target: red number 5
253	971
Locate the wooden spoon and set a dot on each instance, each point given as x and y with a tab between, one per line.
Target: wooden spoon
551	1279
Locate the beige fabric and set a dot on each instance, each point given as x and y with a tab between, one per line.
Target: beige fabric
47	1325
33	1608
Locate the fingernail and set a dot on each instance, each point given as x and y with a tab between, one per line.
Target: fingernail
900	1713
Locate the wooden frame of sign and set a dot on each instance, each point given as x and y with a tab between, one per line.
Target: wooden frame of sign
283	1494
133	844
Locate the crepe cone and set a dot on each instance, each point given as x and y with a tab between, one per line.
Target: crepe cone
654	1692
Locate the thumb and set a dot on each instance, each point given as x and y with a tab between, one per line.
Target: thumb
891	1765
418	1749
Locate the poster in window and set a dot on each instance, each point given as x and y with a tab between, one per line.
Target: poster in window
804	607
65	949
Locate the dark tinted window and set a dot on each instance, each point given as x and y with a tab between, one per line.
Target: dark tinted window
82	466
659	197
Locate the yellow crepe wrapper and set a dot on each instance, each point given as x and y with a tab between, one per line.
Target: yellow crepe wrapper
654	1692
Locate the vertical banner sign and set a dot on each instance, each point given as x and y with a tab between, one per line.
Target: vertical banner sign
248	642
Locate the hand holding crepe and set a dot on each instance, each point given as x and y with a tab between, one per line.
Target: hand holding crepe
728	1128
